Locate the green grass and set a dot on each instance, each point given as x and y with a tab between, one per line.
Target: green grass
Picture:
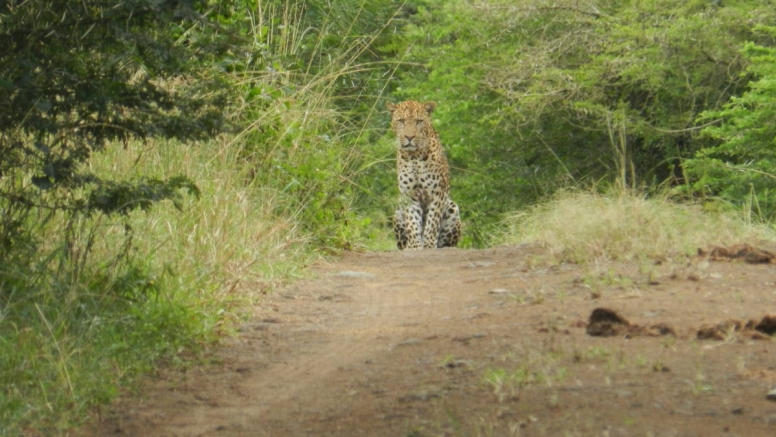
100	301
578	226
76	328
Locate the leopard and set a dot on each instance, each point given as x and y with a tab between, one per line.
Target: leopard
427	217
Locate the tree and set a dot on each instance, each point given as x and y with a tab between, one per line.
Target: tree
741	167
79	75
541	94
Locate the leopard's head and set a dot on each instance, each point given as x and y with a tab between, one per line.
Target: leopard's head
411	122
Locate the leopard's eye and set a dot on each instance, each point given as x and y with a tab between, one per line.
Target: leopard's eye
400	121
419	122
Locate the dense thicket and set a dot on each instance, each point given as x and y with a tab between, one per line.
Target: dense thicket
307	107
77	78
740	166
538	95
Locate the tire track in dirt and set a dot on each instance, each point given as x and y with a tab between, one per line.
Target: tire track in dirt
360	308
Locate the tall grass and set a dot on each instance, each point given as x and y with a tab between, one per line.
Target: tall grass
237	234
307	112
581	226
68	343
102	300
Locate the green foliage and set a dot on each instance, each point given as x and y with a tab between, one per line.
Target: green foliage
126	229
60	356
100	278
116	299
741	167
79	75
81	308
123	197
308	101
541	95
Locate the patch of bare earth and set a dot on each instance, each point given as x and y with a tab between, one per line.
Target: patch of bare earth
491	342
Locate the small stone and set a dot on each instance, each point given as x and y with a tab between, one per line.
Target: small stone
498	291
457	363
409	342
771	396
352	274
482	264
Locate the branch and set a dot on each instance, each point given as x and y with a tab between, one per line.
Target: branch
689	129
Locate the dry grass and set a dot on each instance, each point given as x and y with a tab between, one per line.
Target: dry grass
583	226
236	236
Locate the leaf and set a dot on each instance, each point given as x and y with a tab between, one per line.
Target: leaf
42	182
42	147
43	105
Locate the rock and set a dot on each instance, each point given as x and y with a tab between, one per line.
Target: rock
352	274
409	342
482	264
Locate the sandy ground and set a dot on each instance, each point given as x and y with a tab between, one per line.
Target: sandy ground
482	343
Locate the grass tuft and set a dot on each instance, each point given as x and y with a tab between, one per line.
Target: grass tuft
583	227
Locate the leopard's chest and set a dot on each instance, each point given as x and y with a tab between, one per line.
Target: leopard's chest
420	178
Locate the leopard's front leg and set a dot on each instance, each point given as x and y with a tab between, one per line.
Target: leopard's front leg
432	224
408	226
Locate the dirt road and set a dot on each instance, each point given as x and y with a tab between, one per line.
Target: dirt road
482	343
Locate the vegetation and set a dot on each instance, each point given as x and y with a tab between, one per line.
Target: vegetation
585	227
161	161
741	167
542	95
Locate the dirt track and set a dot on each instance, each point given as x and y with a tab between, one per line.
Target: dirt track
480	343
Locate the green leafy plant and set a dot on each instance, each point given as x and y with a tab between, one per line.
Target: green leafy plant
177	160
741	167
78	77
538	96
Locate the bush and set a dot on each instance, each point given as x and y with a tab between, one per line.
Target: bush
538	96
586	227
741	167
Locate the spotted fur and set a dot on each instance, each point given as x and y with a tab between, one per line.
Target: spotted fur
426	217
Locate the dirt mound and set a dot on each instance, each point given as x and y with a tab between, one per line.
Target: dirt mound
743	252
604	322
751	328
474	343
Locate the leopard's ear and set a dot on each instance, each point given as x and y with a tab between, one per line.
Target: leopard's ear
391	107
430	106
